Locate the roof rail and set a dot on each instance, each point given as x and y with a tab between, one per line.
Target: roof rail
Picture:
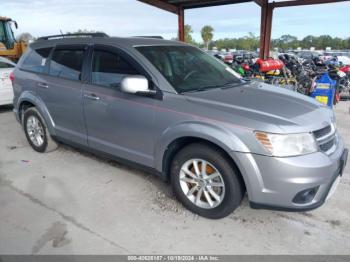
150	36
72	35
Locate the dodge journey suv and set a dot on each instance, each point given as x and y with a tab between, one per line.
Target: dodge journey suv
174	110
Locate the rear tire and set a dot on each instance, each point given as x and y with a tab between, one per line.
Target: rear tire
196	194
36	131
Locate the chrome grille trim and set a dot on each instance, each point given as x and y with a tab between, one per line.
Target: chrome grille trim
326	139
323	132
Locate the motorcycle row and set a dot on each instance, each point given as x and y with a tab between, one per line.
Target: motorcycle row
294	73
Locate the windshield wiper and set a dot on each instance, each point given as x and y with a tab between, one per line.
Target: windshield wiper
200	89
222	86
235	84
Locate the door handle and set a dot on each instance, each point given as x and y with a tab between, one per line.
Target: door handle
43	85
91	97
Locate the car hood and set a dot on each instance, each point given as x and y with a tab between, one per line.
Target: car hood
263	107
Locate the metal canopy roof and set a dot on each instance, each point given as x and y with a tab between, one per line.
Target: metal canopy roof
267	6
187	4
174	5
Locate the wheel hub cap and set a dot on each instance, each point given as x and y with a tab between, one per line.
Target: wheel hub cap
35	131
202	183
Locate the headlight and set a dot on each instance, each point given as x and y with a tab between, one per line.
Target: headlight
287	145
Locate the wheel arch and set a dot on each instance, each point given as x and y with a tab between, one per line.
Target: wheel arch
27	100
178	144
176	138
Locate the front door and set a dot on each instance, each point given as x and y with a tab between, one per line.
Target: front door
117	123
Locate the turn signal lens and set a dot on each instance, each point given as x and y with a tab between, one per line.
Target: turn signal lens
264	140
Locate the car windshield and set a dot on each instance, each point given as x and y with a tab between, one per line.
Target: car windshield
189	69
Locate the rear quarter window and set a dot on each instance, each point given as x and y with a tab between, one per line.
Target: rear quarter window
36	60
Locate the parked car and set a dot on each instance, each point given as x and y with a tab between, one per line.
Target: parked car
342	57
211	52
6	92
308	54
225	57
215	54
172	109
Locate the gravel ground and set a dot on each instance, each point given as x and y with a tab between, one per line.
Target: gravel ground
72	202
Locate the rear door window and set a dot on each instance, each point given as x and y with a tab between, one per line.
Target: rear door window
67	63
109	68
36	60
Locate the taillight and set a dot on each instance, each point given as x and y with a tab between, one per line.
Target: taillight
12	76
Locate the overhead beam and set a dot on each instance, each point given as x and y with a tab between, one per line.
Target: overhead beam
259	2
162	5
208	3
304	2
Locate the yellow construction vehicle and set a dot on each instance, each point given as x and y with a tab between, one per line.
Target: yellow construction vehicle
9	47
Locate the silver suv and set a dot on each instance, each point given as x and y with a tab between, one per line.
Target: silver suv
173	109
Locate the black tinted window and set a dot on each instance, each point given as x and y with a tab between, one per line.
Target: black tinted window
67	63
108	68
5	65
36	60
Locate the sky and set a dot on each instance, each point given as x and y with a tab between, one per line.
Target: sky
130	18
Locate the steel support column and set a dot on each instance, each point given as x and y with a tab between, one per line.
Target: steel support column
181	22
265	29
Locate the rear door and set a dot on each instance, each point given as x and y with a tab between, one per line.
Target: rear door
61	91
118	123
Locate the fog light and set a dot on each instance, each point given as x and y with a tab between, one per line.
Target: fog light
305	196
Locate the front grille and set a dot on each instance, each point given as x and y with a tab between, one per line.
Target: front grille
328	145
326	139
322	132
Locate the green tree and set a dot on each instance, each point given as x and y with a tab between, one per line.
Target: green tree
26	37
308	41
286	42
207	33
251	42
188	36
324	41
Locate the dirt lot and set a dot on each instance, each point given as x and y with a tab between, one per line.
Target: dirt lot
71	202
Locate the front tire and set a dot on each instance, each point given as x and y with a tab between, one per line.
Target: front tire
205	181
36	131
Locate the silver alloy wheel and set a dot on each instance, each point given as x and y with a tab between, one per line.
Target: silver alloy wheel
202	183
35	131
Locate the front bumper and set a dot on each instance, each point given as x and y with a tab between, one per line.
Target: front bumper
273	183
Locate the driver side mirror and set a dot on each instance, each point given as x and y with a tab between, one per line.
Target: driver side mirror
136	84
